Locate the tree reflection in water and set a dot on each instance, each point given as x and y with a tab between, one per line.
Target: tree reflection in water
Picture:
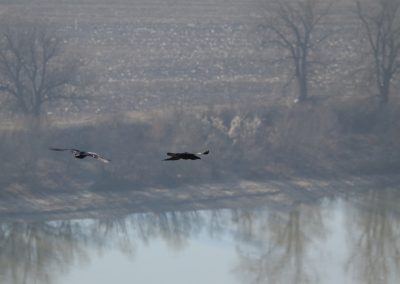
37	252
272	246
173	227
374	234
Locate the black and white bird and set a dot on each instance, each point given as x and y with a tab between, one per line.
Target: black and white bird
83	154
185	156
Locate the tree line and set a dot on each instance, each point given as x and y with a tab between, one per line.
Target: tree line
35	69
299	28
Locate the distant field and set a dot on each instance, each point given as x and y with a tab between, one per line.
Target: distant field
138	10
146	55
151	54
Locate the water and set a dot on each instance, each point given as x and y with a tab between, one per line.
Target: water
341	240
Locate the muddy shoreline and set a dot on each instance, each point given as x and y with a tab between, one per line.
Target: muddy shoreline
20	204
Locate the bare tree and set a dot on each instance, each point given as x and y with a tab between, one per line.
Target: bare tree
32	69
382	28
294	25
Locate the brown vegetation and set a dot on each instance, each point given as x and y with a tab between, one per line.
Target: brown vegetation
320	139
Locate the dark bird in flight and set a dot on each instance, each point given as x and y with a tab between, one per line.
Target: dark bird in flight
185	156
83	154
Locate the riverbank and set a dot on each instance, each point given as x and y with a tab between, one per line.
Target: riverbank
18	203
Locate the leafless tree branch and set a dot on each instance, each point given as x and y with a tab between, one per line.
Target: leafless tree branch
32	66
293	26
382	29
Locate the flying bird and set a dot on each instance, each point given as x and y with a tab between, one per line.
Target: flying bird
83	154
185	156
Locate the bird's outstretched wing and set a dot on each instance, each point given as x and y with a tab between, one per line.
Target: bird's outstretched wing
63	149
58	149
171	154
98	157
173	158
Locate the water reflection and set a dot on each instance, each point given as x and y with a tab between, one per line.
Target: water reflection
328	242
375	237
280	245
39	250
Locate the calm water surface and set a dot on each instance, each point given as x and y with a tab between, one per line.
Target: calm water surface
343	240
